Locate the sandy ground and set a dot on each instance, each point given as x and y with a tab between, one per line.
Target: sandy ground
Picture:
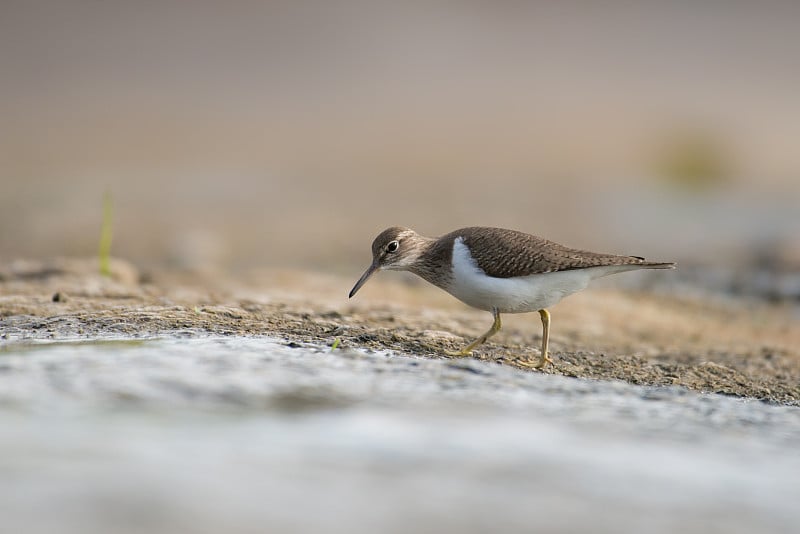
721	345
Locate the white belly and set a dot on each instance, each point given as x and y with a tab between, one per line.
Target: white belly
513	295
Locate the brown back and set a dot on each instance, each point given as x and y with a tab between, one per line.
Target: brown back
502	253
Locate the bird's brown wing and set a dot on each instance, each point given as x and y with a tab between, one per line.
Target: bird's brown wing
502	253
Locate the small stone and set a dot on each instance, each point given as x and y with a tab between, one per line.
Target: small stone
59	297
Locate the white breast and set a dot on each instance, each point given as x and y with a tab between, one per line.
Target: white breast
514	295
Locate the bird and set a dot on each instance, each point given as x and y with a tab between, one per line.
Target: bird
497	270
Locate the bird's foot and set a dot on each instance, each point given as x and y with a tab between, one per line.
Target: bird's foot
540	364
466	351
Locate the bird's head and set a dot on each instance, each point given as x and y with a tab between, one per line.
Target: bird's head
395	249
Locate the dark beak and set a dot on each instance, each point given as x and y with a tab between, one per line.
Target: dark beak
364	277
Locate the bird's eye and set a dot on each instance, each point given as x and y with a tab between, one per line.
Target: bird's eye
392	247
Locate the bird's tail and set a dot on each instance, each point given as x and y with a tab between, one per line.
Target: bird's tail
657	265
633	265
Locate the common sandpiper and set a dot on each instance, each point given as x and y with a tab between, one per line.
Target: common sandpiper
498	270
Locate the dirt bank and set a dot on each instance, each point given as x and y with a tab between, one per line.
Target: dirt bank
712	345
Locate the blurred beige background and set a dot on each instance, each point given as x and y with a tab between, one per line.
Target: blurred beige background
240	134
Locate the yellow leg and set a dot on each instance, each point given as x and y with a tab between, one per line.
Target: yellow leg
466	351
545	357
